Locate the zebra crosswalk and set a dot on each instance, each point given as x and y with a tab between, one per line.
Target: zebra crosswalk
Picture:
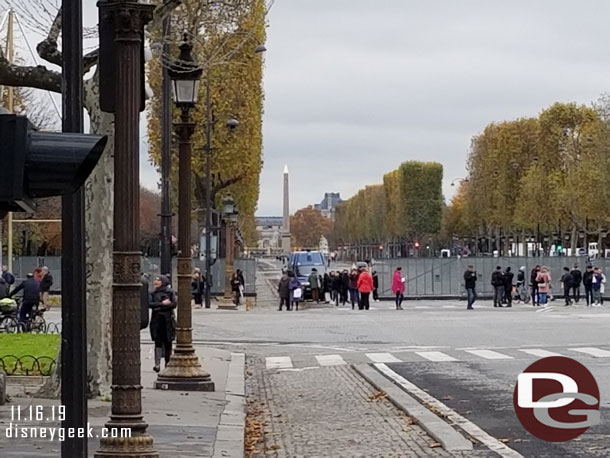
330	360
489	354
450	355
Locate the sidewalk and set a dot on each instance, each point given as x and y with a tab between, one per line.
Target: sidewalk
329	412
182	424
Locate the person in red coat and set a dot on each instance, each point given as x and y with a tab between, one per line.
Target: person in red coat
398	287
365	286
38	274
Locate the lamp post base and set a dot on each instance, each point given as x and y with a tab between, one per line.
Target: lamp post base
227	302
184	373
184	384
227	306
140	446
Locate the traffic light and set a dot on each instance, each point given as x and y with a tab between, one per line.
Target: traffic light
416	244
42	164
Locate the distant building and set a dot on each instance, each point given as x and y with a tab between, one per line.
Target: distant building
328	206
274	231
269	229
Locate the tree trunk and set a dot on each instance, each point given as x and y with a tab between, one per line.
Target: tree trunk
99	242
52	387
574	240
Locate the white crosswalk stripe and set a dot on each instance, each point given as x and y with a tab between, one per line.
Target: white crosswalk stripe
596	352
278	362
436	356
450	355
539	352
383	358
489	354
330	360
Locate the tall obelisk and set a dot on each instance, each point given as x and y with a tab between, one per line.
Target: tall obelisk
286	245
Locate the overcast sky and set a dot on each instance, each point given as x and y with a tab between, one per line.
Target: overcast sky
353	87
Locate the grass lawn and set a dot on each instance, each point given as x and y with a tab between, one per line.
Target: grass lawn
18	353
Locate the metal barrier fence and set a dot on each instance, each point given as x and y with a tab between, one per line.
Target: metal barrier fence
247	266
27	365
24	264
444	277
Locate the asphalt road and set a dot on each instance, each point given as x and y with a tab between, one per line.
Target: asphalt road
418	341
475	383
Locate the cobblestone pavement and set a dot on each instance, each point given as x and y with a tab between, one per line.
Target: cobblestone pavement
330	412
267	277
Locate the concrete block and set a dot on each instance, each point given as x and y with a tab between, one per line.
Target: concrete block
2	388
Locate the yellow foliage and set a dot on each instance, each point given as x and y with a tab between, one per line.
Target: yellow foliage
224	42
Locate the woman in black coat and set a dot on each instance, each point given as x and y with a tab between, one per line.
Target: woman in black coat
197	289
237	285
344	286
162	321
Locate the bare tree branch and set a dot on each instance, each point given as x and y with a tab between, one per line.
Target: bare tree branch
163	10
38	77
222	184
47	49
215	187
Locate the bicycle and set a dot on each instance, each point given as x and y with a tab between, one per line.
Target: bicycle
522	294
36	322
9	322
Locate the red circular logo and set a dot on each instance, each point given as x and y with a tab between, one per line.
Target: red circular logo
556	399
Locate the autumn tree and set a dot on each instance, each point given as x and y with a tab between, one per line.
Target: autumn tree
540	175
392	205
150	203
224	39
43	18
407	206
307	225
422	198
454	221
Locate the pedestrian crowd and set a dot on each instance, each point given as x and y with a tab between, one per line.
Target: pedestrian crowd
355	286
539	289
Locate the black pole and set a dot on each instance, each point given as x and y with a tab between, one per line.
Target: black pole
121	36
208	192
166	164
73	299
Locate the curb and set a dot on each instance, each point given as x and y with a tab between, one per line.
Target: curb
26	380
448	437
232	427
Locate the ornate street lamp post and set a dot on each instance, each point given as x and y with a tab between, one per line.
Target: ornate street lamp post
230	213
231	125
184	372
121	37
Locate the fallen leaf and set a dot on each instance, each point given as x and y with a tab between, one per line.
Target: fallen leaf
380	395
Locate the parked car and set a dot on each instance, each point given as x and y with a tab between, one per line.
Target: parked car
302	263
361	265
